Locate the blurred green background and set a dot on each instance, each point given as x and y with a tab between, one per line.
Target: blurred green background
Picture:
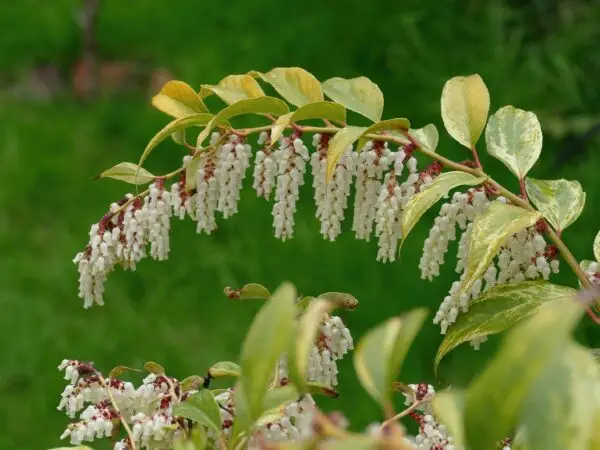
540	55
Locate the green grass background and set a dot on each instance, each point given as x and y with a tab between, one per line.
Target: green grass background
541	56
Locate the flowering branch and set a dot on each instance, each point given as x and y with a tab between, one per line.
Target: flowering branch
117	411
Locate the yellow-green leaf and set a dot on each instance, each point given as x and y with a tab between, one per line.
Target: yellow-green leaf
449	409
117	371
225	369
514	137
294	84
498	309
173	127
385	125
560	201
338	145
426	198
597	246
349	135
491	229
266	340
308	328
558	413
129	173
234	88
353	442
322	389
315	110
191	383
427	136
258	105
154	368
465	107
280	396
380	353
178	99
360	95
341	300
505	383
253	291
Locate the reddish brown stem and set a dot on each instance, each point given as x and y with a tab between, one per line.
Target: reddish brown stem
476	157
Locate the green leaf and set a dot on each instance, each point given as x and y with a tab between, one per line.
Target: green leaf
322	389
200	408
491	229
191	383
504	384
514	137
154	368
426	198
499	309
280	396
349	135
254	290
341	300
308	327
597	247
225	369
303	303
178	99
380	353
427	136
316	110
360	95
558	412
129	173
259	105
234	88
449	409
294	84
117	371
266	340
173	127
560	201
465	107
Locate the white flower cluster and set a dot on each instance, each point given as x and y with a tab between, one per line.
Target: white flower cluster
592	271
234	158
525	256
333	342
460	211
331	199
265	168
294	421
148	409
391	201
121	237
291	156
372	162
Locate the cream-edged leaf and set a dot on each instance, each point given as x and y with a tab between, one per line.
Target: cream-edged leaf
178	99
315	110
560	201
338	145
427	136
129	173
514	137
491	229
498	309
420	203
597	247
504	384
465	107
558	413
399	124
234	88
173	127
449	408
360	95
294	84
258	105
379	355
